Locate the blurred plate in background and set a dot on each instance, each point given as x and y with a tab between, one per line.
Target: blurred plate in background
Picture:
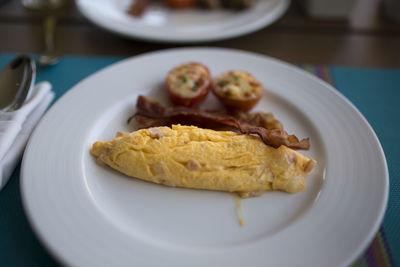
162	24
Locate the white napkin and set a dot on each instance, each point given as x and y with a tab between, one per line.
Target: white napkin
16	127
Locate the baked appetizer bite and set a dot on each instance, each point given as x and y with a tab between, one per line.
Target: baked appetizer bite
188	84
180	3
237	90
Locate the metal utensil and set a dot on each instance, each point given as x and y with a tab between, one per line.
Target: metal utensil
48	10
16	81
49	56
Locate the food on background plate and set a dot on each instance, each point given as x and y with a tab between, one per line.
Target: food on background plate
138	7
231	4
150	113
180	3
237	90
192	157
188	84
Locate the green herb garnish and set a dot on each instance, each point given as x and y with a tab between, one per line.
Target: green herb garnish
195	86
222	83
184	79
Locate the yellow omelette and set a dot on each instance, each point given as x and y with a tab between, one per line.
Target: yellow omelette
192	157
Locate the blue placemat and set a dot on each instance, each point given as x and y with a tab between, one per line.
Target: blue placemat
374	91
18	244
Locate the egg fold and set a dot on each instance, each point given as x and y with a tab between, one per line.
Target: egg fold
192	157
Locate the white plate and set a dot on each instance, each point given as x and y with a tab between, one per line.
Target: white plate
90	215
161	24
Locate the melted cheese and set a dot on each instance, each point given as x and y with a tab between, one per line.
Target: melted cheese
184	79
238	85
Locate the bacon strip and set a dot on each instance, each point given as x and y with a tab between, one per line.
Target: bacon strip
151	113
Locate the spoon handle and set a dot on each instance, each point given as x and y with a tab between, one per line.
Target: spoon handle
26	85
16	82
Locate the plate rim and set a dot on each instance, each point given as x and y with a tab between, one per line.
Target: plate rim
279	11
58	256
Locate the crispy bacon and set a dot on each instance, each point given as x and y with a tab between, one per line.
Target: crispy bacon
150	114
259	119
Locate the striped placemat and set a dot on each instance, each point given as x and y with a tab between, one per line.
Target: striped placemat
379	252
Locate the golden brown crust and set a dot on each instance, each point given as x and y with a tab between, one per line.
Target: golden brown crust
237	90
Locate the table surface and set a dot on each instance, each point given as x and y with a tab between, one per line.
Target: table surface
368	39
